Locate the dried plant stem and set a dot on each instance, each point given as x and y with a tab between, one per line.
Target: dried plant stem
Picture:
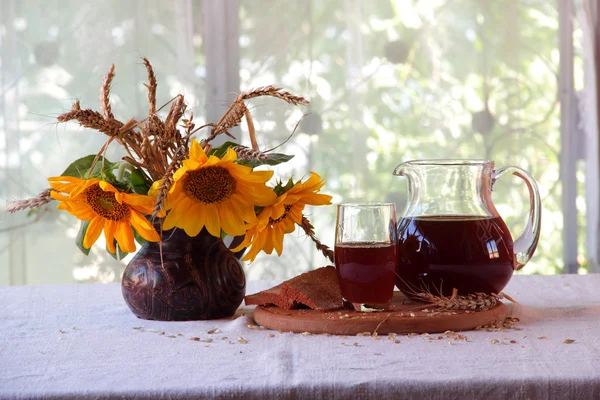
151	85
249	154
237	110
273	91
91	119
175	113
474	302
167	180
32	203
381	323
105	93
251	130
310	231
509	298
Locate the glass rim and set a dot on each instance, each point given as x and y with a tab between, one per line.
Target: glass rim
450	161
366	204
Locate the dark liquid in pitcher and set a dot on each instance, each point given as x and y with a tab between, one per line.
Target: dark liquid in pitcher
366	271
439	253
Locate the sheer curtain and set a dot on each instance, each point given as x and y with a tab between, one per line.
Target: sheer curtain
388	80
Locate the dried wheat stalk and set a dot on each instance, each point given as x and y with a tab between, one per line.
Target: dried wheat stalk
167	180
91	119
474	302
249	154
105	93
175	113
151	85
309	229
273	91
237	110
32	203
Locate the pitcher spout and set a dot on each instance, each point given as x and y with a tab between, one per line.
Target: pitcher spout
401	169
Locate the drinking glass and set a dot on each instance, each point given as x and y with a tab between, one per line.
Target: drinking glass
365	253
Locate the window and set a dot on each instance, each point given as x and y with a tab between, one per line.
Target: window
388	81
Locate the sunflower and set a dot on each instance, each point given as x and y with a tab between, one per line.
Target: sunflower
276	220
107	209
215	193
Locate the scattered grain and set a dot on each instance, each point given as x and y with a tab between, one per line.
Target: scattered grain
569	341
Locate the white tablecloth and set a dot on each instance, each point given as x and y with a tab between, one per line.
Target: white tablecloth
79	341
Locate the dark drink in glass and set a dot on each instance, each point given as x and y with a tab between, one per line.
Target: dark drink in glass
365	254
366	271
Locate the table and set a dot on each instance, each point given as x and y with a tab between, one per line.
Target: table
81	341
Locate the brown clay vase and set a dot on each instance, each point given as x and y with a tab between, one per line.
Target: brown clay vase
198	278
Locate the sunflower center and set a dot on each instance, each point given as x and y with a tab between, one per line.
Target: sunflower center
287	209
105	205
209	185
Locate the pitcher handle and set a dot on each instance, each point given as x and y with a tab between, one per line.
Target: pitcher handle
525	245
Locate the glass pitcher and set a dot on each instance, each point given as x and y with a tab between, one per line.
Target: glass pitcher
451	235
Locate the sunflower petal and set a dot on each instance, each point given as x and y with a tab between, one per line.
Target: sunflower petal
124	236
143	227
64	183
58	196
230	156
213	223
246	174
154	189
245	243
268	246
243	209
194	224
179	174
142	203
230	221
110	228
278	235
197	152
178	214
191	165
93	232
107	187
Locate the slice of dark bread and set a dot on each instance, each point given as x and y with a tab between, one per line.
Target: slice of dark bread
318	289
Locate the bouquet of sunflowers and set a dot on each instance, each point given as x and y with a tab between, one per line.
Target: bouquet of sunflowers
170	179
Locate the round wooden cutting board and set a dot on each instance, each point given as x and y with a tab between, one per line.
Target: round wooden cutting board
403	316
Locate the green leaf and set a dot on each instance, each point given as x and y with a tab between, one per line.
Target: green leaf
81	167
272	159
81	235
138	238
138	182
222	149
118	254
280	188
